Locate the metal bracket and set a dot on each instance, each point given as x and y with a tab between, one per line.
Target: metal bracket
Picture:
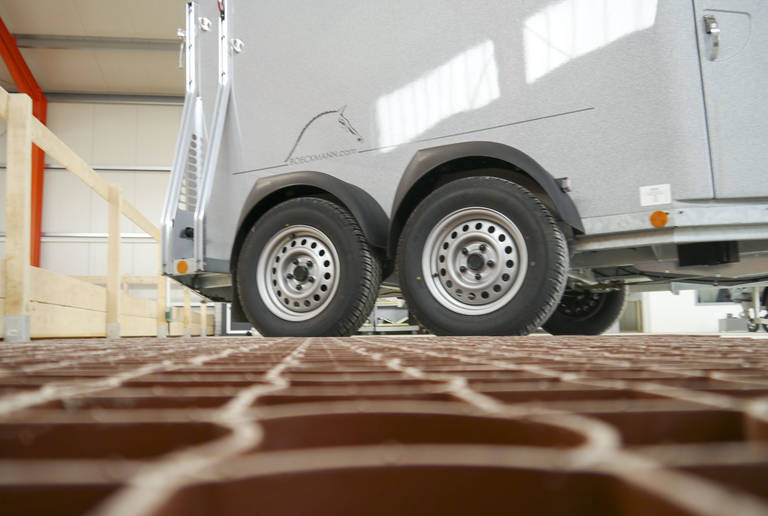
205	24
237	45
564	183
713	29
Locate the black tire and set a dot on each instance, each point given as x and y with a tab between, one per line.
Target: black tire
346	299
581	312
533	288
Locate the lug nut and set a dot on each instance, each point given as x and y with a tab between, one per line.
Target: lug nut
295	262
482	247
478	276
309	263
490	263
298	287
311	279
463	269
464	250
289	276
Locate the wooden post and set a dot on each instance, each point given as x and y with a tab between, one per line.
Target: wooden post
113	262
203	318
17	218
187	313
162	288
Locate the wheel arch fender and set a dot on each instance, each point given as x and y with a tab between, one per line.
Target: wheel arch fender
432	167
269	191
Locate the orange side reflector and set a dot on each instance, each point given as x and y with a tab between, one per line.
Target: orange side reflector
659	219
182	267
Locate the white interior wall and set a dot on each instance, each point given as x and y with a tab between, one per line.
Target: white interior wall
666	312
128	144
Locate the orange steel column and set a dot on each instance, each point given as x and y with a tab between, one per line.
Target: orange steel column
26	83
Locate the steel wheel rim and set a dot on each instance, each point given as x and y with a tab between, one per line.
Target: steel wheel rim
581	305
298	273
474	261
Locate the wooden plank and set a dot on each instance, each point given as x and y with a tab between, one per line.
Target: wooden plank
138	306
18	204
204	317
176	329
58	150
2	282
131	326
4	97
113	254
57	289
130	211
52	321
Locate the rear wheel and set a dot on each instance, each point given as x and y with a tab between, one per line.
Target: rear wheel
586	312
482	256
306	269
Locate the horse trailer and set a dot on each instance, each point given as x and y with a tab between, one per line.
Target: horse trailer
507	165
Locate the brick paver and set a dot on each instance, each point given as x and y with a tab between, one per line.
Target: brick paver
380	425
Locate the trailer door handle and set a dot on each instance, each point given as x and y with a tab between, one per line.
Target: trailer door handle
713	29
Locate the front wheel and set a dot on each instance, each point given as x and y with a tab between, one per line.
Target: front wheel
306	269
482	256
586	312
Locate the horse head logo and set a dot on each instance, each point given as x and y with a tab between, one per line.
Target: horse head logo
346	124
341	119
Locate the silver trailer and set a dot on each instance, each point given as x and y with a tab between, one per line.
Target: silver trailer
510	165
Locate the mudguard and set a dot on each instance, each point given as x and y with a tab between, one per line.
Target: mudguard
427	160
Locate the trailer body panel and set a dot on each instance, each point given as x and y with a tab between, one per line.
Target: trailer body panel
619	98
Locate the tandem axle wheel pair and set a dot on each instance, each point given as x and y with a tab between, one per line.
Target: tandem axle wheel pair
478	256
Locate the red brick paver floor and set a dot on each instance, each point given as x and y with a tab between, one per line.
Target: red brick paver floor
378	425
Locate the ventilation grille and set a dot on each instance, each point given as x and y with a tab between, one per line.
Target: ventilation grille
190	180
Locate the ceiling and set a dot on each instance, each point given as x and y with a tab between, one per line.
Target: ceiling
126	47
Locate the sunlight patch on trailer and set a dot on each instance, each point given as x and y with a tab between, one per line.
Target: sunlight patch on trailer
572	28
468	81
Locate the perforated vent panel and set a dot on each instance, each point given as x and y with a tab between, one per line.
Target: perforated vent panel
190	181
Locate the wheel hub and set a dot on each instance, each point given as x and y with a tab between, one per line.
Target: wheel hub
473	259
301	273
476	261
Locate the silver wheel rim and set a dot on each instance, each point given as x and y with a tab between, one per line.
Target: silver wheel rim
475	260
298	273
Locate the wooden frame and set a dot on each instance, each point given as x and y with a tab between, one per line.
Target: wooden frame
37	303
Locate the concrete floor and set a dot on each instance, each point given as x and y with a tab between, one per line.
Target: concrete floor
408	425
